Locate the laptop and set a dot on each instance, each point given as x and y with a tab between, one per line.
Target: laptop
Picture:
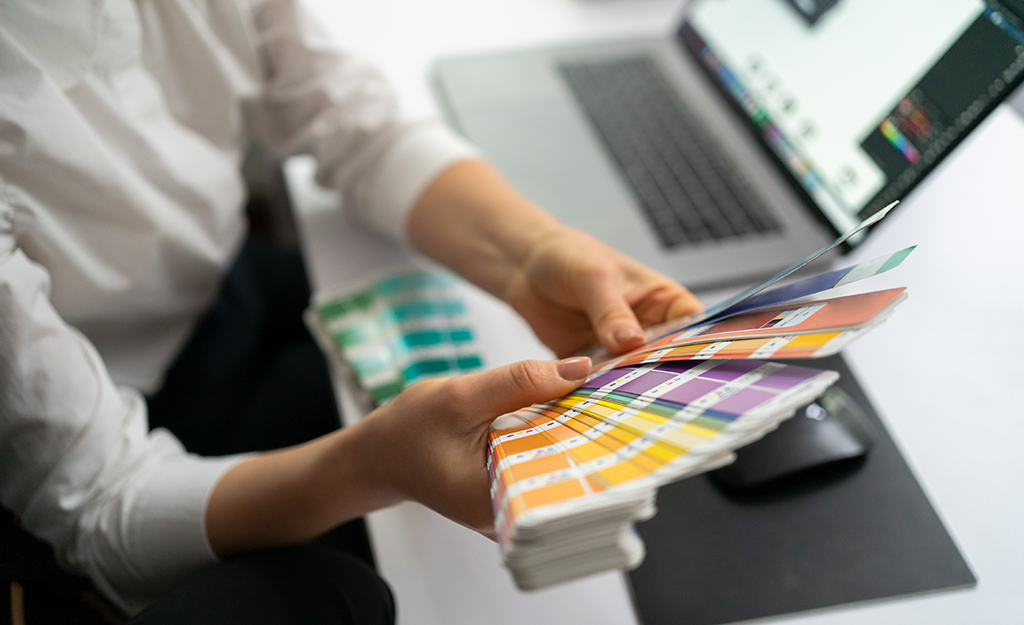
749	137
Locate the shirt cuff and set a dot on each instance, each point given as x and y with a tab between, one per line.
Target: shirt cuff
170	543
416	159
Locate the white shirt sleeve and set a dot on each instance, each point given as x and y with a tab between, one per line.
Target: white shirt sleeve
335	106
79	467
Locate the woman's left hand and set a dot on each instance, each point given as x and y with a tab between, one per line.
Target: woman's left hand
574	291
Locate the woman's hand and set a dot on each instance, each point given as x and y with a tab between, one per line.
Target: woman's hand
432	438
428	444
574	289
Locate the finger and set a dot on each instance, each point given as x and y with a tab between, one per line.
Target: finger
685	303
664	302
498	391
615	324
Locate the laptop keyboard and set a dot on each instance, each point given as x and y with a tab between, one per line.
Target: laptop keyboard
688	190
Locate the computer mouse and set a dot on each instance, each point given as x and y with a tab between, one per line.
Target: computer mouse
830	430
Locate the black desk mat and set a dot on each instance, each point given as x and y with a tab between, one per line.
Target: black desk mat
859	532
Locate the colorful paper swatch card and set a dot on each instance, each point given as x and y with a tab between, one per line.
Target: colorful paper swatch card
803	329
736	304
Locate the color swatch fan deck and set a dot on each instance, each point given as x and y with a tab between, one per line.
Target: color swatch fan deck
569	478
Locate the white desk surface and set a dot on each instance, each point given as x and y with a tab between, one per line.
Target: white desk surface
962	440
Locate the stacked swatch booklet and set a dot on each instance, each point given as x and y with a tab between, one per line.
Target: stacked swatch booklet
394	330
569	478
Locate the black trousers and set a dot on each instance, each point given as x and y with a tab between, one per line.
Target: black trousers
252	379
300	585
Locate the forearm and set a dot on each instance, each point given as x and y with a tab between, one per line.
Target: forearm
292	495
472	221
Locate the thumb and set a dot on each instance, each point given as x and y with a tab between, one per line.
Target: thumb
504	389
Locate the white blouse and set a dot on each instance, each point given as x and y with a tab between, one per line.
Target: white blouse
122	129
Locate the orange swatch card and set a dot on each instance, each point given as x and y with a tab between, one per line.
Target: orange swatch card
819	317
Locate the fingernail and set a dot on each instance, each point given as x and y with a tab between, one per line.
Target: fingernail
625	334
573	368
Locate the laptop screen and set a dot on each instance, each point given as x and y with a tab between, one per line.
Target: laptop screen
858	99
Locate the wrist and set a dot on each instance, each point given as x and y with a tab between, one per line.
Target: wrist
368	461
471	220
